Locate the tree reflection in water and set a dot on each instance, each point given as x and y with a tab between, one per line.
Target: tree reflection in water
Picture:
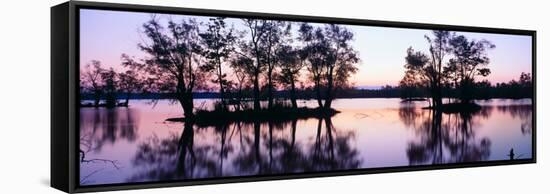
524	112
444	138
101	125
176	157
265	148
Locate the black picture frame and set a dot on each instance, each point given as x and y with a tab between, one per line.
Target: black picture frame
65	92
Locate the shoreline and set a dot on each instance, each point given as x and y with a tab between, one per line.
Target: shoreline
279	114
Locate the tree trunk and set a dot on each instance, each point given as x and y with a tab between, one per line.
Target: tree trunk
256	92
465	91
438	102
96	101
110	100
269	88
328	103
293	94
239	98
438	99
185	98
318	92
188	105
257	105
127	99
328	97
220	79
186	102
435	91
97	97
222	95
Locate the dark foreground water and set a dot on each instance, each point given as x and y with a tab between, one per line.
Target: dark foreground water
135	144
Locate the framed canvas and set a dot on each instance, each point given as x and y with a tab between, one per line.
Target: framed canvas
149	96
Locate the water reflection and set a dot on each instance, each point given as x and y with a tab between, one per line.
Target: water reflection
523	112
135	144
444	138
245	149
99	126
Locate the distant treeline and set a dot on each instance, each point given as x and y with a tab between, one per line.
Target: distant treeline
482	90
522	88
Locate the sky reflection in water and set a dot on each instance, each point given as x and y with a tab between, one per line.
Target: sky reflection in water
136	145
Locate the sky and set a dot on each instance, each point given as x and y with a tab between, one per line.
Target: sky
105	35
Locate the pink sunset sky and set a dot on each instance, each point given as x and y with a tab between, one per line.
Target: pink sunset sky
105	35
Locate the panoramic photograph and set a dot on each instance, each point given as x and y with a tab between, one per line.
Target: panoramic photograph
169	97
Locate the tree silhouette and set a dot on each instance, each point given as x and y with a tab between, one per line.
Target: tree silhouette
526	84
331	58
525	79
411	85
252	54
110	79
469	60
315	53
243	69
173	60
218	43
522	88
276	33
345	59
430	68
129	82
288	59
92	81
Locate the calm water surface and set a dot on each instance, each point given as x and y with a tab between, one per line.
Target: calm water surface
135	144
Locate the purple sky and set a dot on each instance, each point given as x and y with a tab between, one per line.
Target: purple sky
105	35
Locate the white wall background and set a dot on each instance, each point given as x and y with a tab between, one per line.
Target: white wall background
25	99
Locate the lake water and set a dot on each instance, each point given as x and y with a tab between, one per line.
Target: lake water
135	144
